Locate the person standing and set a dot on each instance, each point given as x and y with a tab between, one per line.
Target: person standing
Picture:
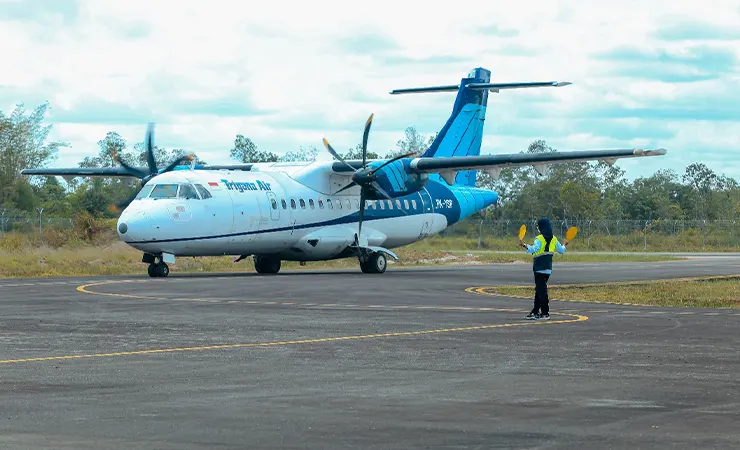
544	247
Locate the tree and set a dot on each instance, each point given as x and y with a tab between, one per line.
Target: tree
303	154
356	153
245	151
113	143
23	144
413	142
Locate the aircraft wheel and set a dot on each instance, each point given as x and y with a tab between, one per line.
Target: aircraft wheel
163	270
366	267
152	270
266	265
377	263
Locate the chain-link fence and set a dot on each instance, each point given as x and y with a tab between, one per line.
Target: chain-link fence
25	225
593	235
614	235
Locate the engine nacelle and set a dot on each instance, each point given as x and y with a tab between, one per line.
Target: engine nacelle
397	180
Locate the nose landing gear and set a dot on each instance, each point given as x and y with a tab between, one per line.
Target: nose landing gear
157	267
158	270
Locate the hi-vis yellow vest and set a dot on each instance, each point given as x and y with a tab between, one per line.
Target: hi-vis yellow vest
543	256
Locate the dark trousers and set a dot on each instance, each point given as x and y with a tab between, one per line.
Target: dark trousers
541	300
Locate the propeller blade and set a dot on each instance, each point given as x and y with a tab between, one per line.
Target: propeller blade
149	142
132	170
335	154
379	189
346	187
362	213
178	161
393	160
364	139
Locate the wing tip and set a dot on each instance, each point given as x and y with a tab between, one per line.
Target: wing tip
650	152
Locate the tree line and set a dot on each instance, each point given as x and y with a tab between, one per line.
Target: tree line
566	191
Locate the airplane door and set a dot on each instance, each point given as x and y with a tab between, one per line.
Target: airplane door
428	213
246	216
274	207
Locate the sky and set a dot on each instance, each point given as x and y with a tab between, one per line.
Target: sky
645	74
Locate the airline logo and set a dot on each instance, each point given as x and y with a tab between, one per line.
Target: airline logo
242	186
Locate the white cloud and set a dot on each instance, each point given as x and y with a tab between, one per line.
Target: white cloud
323	66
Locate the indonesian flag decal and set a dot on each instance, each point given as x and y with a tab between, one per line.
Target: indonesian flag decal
212	183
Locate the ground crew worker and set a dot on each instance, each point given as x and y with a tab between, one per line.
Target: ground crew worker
545	246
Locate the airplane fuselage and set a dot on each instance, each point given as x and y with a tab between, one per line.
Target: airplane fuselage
286	212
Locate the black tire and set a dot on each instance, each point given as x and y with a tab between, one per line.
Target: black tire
152	270
377	263
366	267
267	265
163	270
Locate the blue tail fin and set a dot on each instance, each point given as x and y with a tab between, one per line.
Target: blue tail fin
463	132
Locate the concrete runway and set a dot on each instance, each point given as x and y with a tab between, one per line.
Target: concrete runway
330	359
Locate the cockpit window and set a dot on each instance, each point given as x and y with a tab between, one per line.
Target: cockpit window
187	191
145	191
203	191
164	191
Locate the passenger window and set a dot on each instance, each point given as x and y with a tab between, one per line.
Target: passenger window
303	204
413	204
339	203
406	204
357	204
310	203
349	204
145	191
187	192
292	203
382	204
282	202
274	203
390	204
321	204
164	191
329	203
203	191
398	204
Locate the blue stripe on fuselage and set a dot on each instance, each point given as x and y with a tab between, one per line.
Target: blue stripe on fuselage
454	202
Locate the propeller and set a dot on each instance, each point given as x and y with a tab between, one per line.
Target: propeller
365	177
153	171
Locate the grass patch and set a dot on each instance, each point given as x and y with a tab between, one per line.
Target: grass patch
117	258
710	292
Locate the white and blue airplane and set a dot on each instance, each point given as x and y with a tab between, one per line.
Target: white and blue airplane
311	211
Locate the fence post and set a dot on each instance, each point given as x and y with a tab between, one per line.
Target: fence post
41	233
644	233
480	234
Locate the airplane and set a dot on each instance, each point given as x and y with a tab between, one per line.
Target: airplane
324	210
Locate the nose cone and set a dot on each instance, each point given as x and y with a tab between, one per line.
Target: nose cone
132	225
122	228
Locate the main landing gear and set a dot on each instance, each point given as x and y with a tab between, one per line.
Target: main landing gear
375	262
157	267
266	264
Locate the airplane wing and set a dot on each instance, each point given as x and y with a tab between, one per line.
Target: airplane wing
119	171
81	172
448	166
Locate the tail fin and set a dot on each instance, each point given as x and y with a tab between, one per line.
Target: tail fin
463	132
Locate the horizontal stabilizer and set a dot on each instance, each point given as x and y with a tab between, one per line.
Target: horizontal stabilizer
495	87
449	88
498	86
